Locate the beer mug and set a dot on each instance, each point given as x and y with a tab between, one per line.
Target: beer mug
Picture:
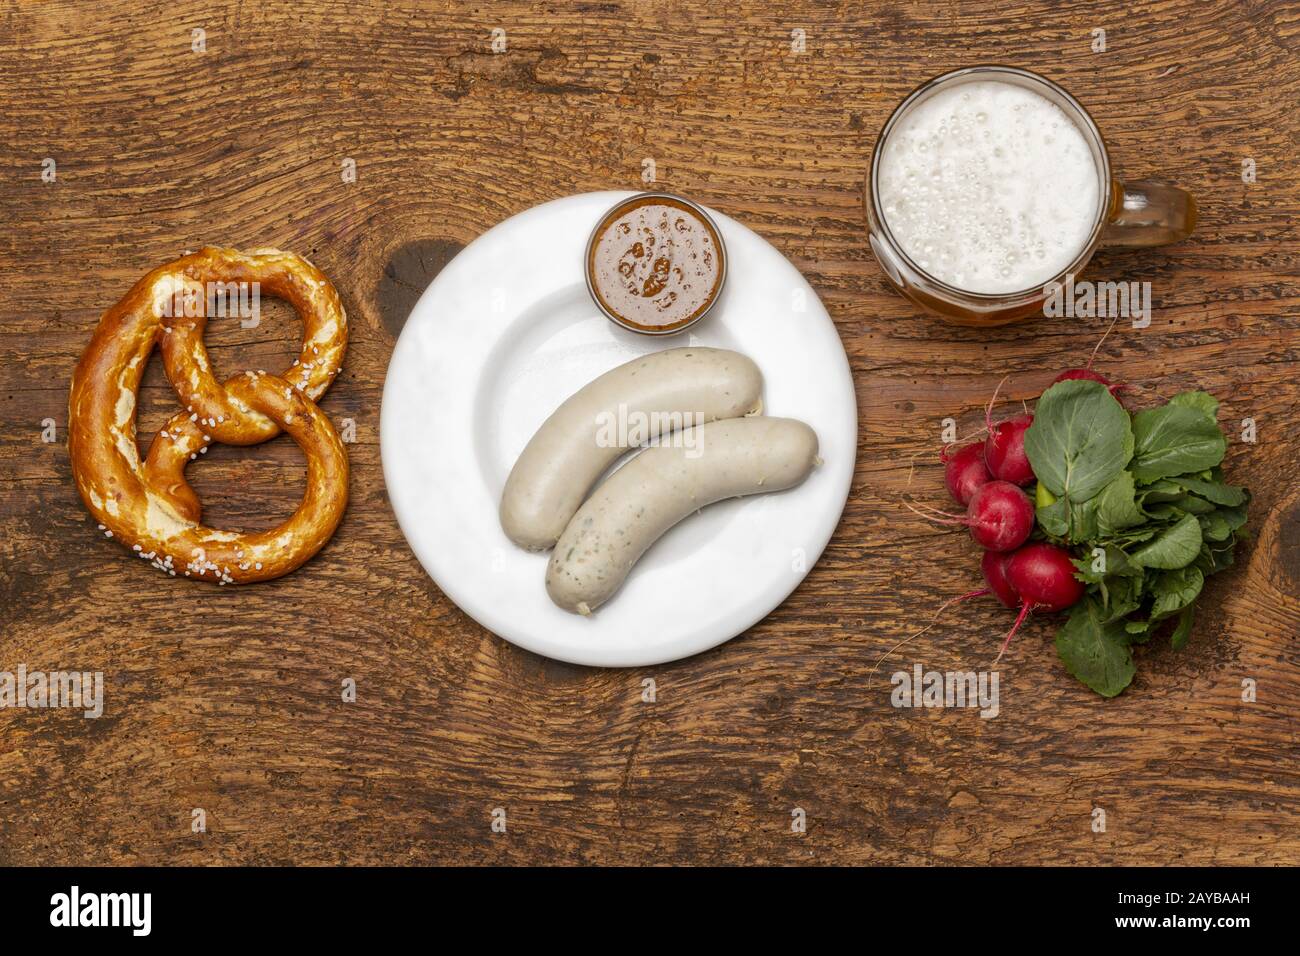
991	184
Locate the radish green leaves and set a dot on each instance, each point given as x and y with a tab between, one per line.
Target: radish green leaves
1144	506
1174	440
1080	440
1095	650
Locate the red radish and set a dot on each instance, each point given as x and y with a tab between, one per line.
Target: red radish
1043	576
1085	373
1004	450
1000	516
964	471
994	566
1091	376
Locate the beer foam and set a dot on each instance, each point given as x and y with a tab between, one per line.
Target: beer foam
989	187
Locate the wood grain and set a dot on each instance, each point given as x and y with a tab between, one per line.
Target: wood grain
229	699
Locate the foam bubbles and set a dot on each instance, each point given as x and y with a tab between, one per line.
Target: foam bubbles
989	187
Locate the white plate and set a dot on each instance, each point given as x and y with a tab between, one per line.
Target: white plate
501	337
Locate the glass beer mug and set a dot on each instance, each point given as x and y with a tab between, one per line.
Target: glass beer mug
990	184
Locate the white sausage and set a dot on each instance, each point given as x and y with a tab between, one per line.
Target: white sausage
667	390
660	487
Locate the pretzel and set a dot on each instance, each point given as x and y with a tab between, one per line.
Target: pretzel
148	506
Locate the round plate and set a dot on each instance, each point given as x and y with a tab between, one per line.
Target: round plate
501	337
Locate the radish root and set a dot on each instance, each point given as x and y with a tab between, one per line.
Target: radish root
1096	348
943	607
1020	619
988	412
935	515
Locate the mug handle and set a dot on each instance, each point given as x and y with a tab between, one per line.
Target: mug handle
1149	214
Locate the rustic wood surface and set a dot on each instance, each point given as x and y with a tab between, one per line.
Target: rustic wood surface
229	699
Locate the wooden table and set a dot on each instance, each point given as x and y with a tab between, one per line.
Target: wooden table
229	699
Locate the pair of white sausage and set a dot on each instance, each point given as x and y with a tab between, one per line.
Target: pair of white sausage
597	543
566	456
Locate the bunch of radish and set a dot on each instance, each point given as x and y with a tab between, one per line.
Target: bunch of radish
1113	516
988	478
